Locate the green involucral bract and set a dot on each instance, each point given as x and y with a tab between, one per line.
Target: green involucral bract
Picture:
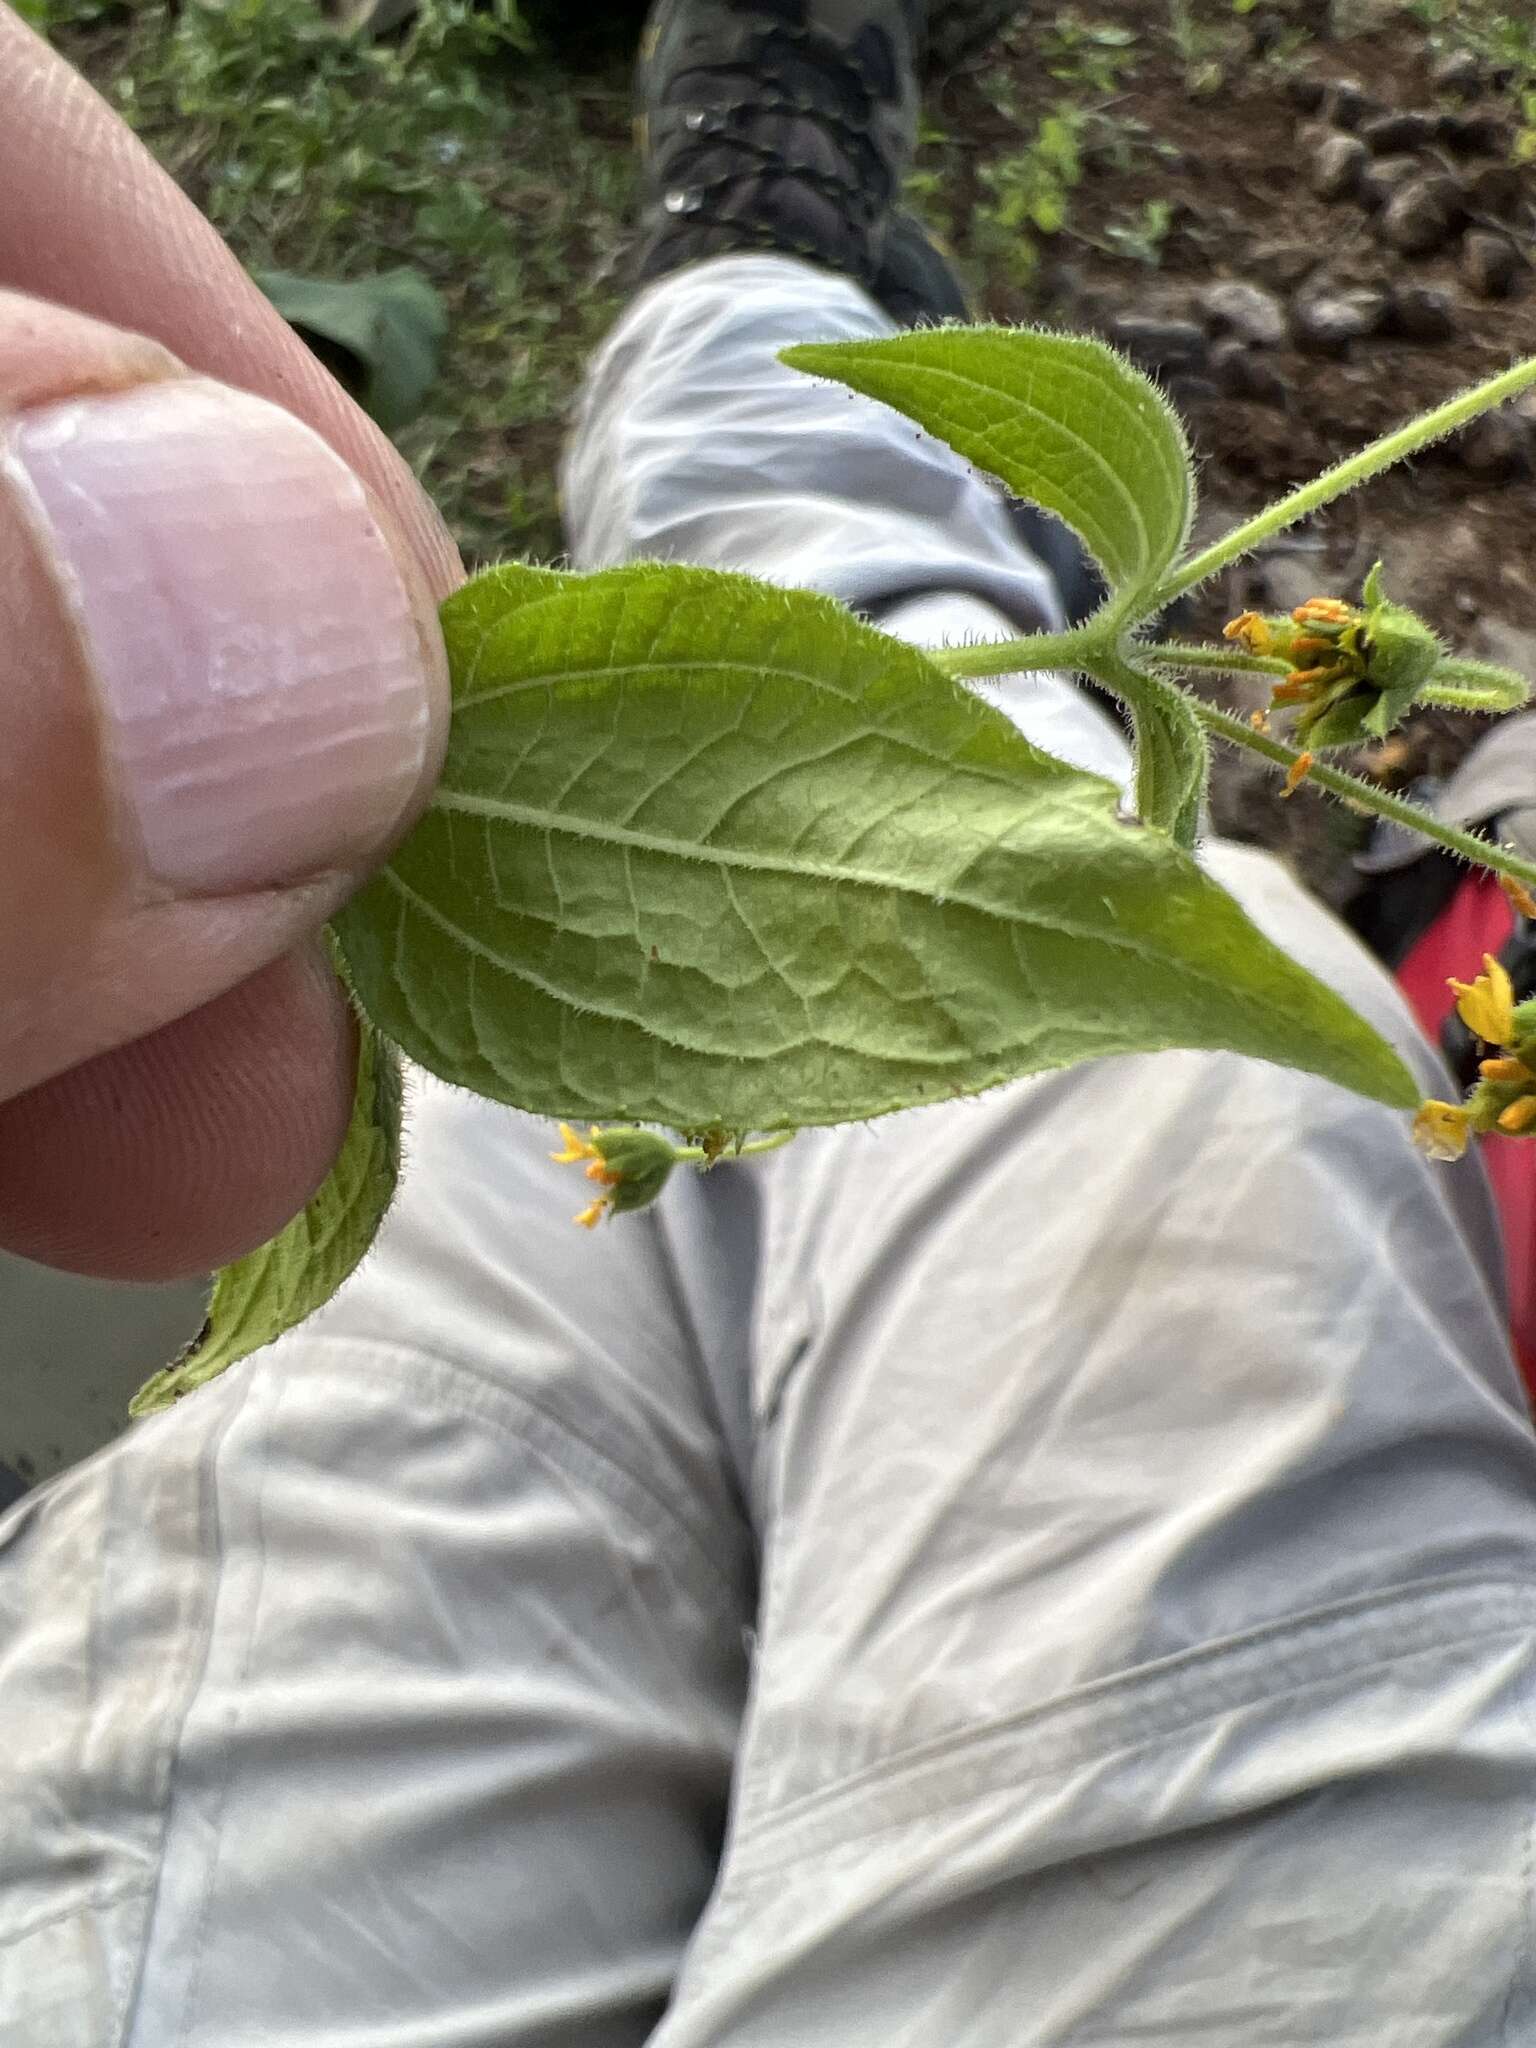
708	853
275	1287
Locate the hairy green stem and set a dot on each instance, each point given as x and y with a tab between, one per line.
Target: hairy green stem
1344	476
1176	654
695	1155
1014	657
1457	684
1465	845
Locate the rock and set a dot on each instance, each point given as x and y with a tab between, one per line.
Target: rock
1489	263
1498	446
1423	215
1159	344
1422	312
1385	175
1409	128
1328	323
1286	263
1305	94
1335	166
1250	312
1498	189
1344	102
1242	374
1188	390
1460	72
1481	131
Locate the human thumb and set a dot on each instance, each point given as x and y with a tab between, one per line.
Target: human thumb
223	692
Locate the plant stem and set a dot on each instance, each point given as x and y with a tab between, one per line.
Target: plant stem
1177	655
1465	845
1344	476
1466	685
695	1155
1013	657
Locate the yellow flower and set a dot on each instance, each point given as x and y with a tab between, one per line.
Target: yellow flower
1519	1116
1297	774
575	1147
1441	1129
1250	631
1505	1070
1487	1005
1324	611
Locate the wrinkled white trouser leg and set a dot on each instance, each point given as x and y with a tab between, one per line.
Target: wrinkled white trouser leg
1140	1488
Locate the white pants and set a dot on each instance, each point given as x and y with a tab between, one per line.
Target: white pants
1053	1569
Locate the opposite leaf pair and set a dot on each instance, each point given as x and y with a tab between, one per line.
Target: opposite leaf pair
719	857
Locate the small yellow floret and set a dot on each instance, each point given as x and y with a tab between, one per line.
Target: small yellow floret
1441	1129
1519	1116
1487	1006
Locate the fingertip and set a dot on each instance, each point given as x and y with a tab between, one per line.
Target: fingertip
179	1152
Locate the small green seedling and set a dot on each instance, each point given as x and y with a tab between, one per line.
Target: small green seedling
719	859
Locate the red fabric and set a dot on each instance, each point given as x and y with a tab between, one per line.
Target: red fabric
1477	920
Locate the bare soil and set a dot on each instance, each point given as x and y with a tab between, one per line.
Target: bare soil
1457	528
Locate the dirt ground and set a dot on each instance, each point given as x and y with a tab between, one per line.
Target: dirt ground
1229	141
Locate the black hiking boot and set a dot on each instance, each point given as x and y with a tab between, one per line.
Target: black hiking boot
783	125
788	125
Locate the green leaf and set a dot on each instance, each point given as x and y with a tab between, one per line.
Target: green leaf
707	853
1172	757
1058	418
379	335
276	1286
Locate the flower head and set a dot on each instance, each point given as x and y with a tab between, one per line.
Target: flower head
1355	669
631	1165
1487	1006
1503	1098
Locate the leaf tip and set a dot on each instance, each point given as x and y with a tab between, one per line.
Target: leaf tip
160	1391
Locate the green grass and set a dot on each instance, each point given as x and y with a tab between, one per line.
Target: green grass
457	148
